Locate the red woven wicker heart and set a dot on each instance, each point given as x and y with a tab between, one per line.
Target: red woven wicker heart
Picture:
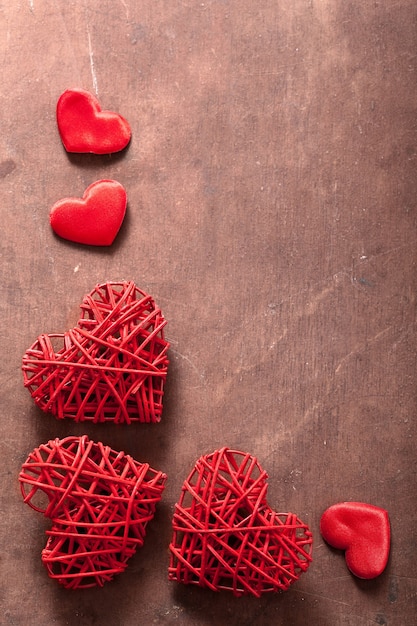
99	501
226	536
111	367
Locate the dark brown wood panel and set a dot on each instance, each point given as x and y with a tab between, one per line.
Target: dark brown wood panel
271	184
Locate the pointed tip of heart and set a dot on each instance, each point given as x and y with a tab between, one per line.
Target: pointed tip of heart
363	531
95	219
85	128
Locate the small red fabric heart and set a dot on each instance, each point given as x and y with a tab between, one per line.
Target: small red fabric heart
111	367
100	502
84	127
363	531
94	219
227	537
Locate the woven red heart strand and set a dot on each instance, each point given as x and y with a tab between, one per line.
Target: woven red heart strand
110	368
99	501
226	536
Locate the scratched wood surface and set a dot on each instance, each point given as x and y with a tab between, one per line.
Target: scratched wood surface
272	215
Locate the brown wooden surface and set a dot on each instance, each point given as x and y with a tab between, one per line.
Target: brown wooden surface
272	215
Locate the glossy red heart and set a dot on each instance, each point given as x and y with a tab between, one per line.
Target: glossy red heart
227	537
94	219
84	127
363	531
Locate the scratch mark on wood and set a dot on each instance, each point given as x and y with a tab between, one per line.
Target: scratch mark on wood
321	597
185	358
359	349
126	9
92	67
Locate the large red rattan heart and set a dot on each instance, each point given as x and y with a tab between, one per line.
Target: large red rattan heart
84	127
94	219
226	536
110	367
363	531
99	501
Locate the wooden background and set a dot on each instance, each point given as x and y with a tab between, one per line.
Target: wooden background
272	215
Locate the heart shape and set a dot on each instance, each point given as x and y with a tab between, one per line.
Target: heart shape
111	367
363	531
226	536
94	219
84	127
100	502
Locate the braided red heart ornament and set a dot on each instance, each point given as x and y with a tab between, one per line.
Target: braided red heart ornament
227	537
100	502
111	367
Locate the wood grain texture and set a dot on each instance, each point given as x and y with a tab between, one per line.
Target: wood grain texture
271	184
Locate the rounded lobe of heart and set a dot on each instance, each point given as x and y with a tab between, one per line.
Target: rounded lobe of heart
363	531
99	501
84	127
95	219
227	537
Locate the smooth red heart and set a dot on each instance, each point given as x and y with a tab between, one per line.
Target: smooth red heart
363	531
94	219
84	127
227	537
111	367
100	502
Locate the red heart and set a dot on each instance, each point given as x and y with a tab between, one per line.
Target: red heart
111	367
84	127
94	219
226	536
363	531
99	501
